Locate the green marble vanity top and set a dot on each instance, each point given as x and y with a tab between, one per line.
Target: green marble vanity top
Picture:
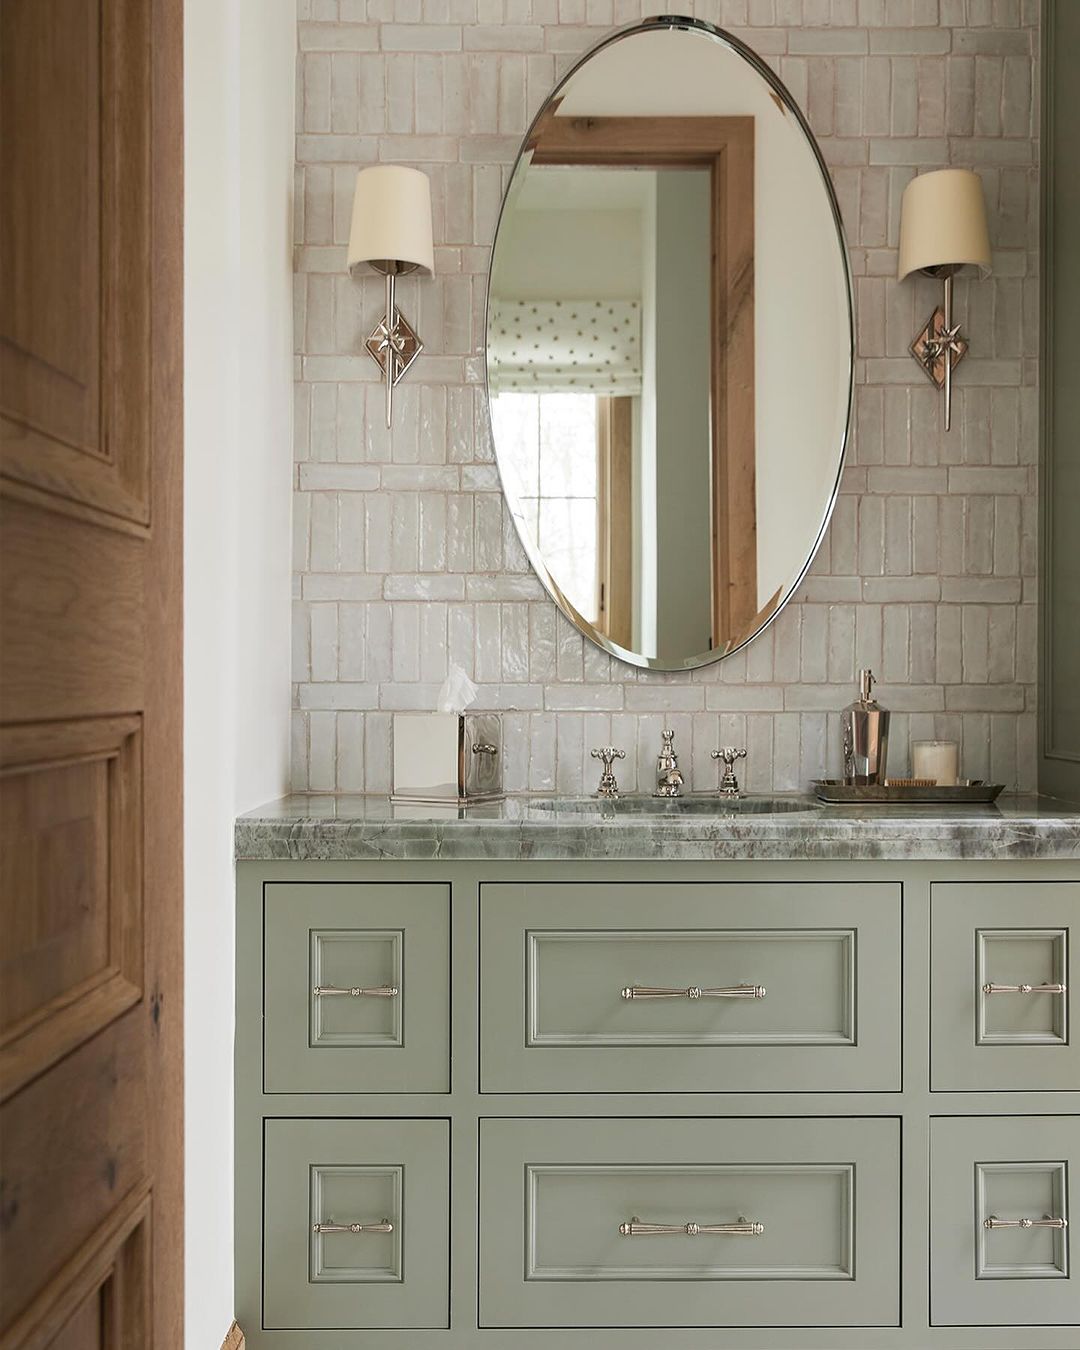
345	827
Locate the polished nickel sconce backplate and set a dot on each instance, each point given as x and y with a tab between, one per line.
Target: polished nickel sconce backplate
393	344
939	348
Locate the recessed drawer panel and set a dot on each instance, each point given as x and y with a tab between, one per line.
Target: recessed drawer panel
356	1224
681	1223
690	988
1001	959
356	987
999	1213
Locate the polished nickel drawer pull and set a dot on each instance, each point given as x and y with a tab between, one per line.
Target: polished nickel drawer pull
1023	989
385	1226
379	991
633	991
744	1228
1045	1222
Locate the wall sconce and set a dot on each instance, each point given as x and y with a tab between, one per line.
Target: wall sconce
942	227
391	232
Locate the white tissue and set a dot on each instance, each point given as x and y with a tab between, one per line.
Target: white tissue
457	692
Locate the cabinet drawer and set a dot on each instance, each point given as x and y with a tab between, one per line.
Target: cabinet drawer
1003	935
770	987
814	1204
1007	1169
324	942
381	1173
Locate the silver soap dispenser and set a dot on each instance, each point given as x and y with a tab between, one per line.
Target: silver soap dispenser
866	736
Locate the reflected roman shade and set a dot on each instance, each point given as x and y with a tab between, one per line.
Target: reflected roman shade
565	346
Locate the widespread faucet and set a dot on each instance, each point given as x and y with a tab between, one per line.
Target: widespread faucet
669	779
607	755
729	784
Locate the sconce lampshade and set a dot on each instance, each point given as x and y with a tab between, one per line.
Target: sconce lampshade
943	222
391	219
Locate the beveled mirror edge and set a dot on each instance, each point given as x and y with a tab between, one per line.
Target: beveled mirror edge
537	563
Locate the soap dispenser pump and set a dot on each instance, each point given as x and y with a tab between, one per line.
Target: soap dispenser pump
866	736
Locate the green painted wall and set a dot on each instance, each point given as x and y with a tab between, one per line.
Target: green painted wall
1059	703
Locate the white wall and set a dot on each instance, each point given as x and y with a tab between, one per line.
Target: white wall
239	58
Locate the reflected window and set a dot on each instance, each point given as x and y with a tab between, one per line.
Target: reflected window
555	484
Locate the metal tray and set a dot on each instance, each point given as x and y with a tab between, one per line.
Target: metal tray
970	792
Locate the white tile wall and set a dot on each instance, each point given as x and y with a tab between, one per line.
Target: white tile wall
404	555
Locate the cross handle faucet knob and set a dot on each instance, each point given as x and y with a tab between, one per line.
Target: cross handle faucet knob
729	784
607	754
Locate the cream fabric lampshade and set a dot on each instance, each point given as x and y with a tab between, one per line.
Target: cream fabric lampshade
391	219
943	222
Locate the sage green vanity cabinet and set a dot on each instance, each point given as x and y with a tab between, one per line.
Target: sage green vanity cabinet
356	988
1002	959
726	987
619	1105
389	1179
802	1201
987	1178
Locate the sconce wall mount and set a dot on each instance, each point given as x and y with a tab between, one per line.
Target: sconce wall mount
391	233
942	229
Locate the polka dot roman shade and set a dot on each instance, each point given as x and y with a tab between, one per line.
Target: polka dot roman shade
566	346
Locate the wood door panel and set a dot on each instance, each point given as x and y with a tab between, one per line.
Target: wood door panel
73	609
84	1329
101	1290
91	1090
71	898
75	253
49	248
74	1145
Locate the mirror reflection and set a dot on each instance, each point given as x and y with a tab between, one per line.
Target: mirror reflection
645	285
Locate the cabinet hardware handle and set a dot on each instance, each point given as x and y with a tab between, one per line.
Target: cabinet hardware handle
484	748
634	991
744	1228
380	991
1045	1222
385	1226
1024	989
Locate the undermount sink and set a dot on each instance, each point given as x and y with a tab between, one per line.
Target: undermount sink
676	806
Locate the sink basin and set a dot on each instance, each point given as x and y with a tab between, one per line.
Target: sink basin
676	806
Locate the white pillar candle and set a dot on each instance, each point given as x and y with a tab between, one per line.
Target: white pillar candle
936	760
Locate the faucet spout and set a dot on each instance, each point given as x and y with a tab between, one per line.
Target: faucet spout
669	779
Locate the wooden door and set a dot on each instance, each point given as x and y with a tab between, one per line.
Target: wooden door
91	1198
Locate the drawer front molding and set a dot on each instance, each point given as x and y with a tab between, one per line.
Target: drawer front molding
829	1188
356	987
836	989
723	987
810	1207
989	942
1004	1168
389	1178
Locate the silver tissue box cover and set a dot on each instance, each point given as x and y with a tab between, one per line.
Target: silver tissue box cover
447	757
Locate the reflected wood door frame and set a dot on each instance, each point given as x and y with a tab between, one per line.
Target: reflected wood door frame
724	146
614	510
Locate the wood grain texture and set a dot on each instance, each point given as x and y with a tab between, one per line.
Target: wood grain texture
74	1146
735	600
234	1339
615	523
75	362
71	895
107	1274
91	706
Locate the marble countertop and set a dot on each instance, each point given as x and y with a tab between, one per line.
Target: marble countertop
349	828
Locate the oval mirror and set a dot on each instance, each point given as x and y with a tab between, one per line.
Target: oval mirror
670	344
